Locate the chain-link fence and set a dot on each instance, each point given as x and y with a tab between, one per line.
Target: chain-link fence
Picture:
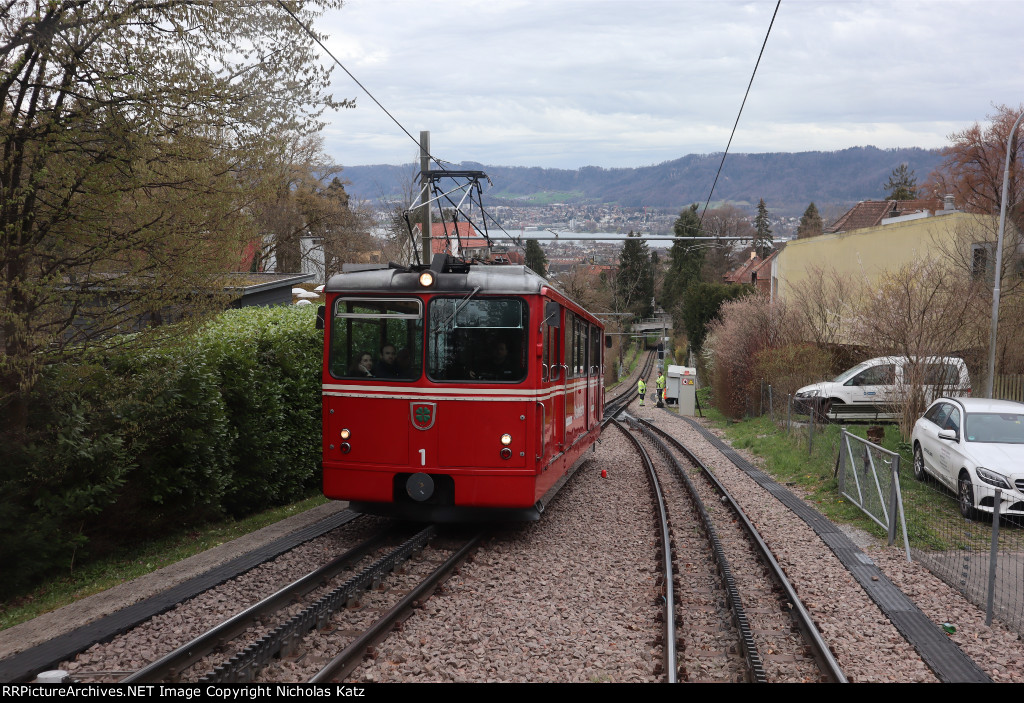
949	530
802	420
953	531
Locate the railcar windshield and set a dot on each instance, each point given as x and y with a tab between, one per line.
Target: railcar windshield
377	338
477	339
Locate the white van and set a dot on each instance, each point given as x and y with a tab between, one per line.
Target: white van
875	388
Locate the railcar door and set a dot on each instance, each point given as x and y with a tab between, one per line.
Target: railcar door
569	386
550	401
596	379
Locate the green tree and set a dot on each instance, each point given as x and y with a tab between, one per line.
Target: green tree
685	258
303	197
635	279
763	235
702	305
810	224
535	257
134	135
902	184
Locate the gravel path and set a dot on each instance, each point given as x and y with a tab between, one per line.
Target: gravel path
572	598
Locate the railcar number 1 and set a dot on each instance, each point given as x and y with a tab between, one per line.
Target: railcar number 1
423	457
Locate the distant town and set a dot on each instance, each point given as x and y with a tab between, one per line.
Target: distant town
526	220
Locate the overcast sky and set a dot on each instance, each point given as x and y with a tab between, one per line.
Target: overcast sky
570	83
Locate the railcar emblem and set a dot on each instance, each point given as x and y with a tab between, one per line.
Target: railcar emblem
423	415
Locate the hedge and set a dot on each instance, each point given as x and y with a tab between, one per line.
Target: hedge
225	422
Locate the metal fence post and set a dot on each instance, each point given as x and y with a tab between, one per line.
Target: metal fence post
842	461
810	436
789	413
893	499
993	556
771	405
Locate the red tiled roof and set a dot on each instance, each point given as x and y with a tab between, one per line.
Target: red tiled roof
870	213
468	237
745	273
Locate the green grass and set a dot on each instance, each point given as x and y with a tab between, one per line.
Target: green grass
546	197
136	561
789	462
932	518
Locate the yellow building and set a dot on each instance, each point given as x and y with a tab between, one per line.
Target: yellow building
863	255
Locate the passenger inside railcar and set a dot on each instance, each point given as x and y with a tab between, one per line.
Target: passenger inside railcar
387	325
363	366
498	365
476	339
387	366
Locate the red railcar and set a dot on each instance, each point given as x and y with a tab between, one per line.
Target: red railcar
458	392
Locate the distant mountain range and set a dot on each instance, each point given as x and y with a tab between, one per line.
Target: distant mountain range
787	182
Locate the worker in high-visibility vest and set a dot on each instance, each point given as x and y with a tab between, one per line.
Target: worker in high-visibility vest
641	389
660	385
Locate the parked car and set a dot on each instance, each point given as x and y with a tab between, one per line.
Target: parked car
973	446
874	389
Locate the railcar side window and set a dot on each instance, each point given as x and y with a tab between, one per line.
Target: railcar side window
477	339
569	349
377	338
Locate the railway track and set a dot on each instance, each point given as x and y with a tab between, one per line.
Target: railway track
740	620
318	627
667	638
620	402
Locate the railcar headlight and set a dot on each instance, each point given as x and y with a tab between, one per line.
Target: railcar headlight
506	439
991	477
345	434
427	279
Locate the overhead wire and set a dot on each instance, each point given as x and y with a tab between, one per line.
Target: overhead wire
735	124
312	35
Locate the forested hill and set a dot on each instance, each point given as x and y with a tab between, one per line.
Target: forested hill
787	182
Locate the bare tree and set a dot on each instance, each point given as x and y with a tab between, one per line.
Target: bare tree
821	302
973	169
131	133
968	249
917	311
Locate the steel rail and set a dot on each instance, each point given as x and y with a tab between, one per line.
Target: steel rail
244	665
812	636
169	666
669	615
755	665
348	659
619	402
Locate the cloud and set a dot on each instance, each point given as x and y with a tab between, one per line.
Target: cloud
570	83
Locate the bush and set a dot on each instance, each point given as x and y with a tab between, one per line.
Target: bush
70	468
791	366
268	361
176	426
151	440
746	327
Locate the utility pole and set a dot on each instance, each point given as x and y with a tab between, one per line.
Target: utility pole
425	193
989	385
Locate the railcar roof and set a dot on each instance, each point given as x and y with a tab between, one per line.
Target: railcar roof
492	279
504	278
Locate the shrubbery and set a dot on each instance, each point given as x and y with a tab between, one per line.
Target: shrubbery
752	343
225	422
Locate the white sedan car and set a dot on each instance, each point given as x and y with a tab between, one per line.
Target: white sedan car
974	446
